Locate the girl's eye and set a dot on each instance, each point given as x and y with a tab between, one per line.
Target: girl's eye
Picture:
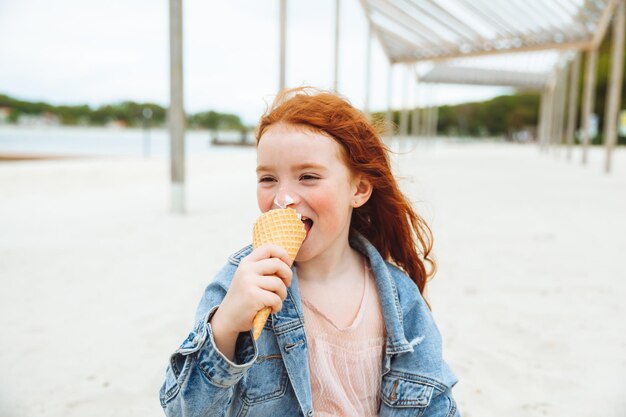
309	177
266	179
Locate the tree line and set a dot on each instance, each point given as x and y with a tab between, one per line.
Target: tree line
128	113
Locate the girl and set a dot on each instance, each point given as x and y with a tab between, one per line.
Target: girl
350	333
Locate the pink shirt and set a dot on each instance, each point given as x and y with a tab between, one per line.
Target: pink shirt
346	363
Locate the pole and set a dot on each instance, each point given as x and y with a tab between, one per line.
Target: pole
282	16
615	84
549	120
337	21
591	64
368	69
389	116
415	113
573	104
559	111
404	115
541	126
425	115
176	111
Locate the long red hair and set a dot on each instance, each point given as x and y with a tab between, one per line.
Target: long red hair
387	220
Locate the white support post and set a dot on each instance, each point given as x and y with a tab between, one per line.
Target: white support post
337	22
428	116
555	112
282	17
404	114
176	113
572	116
425	110
425	119
615	84
368	70
389	116
559	104
549	127
591	64
415	114
541	125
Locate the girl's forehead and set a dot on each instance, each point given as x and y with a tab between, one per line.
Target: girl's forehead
291	131
287	141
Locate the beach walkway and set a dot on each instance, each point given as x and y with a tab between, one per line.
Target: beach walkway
99	282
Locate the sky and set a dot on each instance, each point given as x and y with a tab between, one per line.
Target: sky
95	52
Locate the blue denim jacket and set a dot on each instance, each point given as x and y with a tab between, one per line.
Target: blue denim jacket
270	376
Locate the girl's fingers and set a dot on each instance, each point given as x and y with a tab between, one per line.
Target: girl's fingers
275	267
272	300
273	284
270	251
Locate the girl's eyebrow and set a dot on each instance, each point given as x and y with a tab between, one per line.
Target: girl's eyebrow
308	165
299	167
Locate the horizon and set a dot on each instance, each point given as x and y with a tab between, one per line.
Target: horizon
188	113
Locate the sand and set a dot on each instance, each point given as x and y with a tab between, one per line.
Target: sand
99	282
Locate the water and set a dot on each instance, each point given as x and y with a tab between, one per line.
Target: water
91	141
100	141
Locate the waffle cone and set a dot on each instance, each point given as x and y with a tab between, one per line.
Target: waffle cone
280	227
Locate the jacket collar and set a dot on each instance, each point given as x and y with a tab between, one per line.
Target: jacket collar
388	293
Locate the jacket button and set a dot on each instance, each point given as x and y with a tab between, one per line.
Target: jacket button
309	413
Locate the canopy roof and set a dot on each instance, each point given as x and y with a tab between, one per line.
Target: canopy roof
419	30
526	70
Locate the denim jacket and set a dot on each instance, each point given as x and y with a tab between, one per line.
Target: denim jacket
270	376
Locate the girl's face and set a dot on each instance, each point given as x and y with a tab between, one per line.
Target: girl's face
304	170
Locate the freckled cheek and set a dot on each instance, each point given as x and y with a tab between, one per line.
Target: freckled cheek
265	198
328	207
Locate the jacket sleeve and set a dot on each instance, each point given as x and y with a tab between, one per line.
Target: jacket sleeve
419	324
443	405
199	379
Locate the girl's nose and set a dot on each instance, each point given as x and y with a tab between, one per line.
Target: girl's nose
284	199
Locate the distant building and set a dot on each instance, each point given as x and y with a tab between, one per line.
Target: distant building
43	119
117	124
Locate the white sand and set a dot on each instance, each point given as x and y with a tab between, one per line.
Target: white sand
99	282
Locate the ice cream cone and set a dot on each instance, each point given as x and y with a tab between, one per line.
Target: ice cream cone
280	227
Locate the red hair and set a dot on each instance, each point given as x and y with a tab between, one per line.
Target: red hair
387	219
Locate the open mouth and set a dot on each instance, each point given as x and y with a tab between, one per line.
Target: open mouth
308	224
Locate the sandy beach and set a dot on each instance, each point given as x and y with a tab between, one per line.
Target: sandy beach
99	282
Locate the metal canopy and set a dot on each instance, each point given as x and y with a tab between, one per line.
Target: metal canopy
427	32
460	75
527	70
430	30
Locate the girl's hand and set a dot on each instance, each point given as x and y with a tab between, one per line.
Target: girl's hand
261	280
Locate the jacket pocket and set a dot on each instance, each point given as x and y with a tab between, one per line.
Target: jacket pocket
404	395
266	380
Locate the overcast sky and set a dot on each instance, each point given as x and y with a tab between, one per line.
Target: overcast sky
95	52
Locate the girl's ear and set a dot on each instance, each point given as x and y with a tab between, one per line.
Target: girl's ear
362	190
